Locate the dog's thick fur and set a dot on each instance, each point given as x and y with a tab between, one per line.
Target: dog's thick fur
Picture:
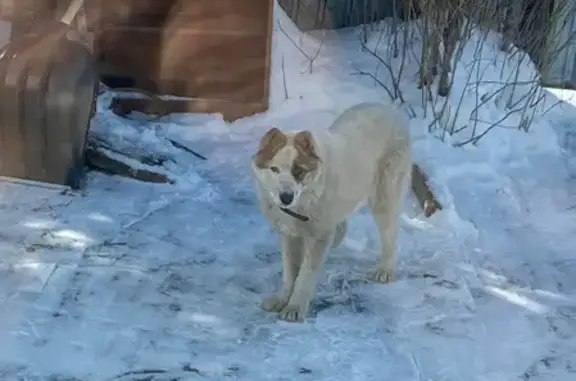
365	155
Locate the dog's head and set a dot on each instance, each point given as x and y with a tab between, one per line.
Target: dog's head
286	163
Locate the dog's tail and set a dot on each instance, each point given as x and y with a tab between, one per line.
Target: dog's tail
340	233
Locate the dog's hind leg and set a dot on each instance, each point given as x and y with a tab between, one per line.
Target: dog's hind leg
390	187
292	250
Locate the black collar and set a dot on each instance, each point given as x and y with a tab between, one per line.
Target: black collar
295	215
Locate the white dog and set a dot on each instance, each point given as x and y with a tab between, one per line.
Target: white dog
309	183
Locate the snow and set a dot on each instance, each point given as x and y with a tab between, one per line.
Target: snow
134	281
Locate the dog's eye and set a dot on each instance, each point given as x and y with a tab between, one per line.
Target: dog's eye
297	171
274	169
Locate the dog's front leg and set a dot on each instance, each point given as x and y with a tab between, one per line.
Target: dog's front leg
305	283
292	248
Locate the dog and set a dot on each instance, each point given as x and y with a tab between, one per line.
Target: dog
309	183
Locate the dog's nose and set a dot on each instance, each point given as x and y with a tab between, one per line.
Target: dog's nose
286	198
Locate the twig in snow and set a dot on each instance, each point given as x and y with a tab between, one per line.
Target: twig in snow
475	139
310	59
284	79
147	215
291	40
311	63
138	373
557	103
397	93
361	72
183	147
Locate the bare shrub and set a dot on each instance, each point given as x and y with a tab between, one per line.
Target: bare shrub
528	37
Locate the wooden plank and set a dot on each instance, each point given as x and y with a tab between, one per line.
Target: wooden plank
105	161
33	183
247	16
233	69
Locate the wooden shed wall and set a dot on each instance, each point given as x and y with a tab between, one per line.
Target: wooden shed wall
207	49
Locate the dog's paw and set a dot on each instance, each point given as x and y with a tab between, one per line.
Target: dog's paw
275	303
293	313
383	275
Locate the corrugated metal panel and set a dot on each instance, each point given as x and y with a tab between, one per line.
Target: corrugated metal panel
335	14
562	49
573	81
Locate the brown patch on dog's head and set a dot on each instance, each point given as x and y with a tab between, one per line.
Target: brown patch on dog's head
307	159
293	152
270	144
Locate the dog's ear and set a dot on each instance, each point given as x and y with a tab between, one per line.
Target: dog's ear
273	137
270	144
304	143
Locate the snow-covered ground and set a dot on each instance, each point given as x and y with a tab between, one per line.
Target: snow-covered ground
135	281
